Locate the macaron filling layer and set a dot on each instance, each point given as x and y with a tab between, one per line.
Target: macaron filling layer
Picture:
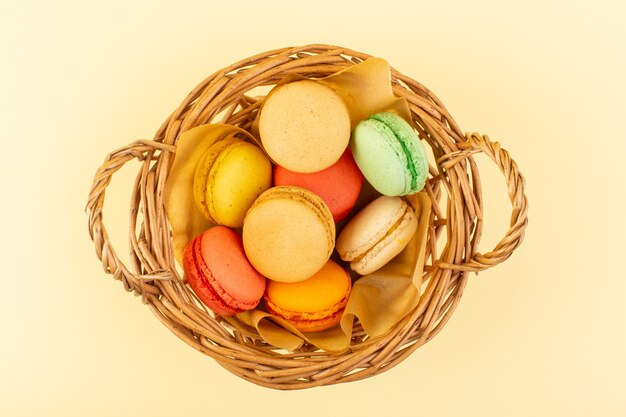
306	316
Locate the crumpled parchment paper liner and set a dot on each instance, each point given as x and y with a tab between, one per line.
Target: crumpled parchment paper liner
282	334
186	220
379	300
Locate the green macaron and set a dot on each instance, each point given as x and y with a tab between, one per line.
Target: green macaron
390	154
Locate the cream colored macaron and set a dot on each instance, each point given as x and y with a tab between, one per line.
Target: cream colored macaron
376	234
304	126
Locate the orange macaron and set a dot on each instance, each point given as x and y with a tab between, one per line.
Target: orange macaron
314	304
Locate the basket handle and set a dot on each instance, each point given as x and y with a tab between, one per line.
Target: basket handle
475	143
140	150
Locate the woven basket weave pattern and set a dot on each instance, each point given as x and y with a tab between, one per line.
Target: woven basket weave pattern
226	96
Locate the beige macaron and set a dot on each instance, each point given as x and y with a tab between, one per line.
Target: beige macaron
304	126
376	234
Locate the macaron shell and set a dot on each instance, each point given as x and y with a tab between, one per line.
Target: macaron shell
314	304
219	273
288	234
239	175
413	148
338	185
304	126
380	157
369	226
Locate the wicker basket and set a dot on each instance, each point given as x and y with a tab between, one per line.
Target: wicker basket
226	96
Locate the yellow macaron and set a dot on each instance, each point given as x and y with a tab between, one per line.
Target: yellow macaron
229	177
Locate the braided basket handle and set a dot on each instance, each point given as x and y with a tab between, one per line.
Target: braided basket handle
140	150
515	181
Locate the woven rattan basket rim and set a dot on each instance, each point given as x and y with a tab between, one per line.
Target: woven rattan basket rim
226	96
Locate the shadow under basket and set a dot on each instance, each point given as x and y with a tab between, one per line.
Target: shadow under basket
456	221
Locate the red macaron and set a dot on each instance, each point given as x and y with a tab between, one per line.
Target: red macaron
219	273
338	185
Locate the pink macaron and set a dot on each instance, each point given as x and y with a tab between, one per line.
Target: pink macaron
338	185
219	273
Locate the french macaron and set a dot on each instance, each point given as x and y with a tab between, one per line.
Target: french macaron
219	273
229	177
376	234
339	185
314	304
304	126
288	234
390	154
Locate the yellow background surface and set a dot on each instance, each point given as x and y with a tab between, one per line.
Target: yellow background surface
542	334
